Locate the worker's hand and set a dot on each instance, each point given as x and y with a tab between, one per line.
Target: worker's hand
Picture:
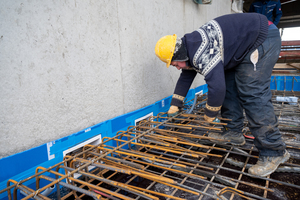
174	110
209	119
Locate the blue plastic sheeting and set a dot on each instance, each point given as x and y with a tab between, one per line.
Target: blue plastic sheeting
288	83
16	164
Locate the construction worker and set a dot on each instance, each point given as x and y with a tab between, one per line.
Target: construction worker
271	9
236	54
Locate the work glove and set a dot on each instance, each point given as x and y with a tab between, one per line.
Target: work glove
209	119
174	110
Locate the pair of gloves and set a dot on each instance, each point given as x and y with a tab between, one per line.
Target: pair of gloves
174	110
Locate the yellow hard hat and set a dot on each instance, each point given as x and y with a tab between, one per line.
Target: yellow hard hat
164	48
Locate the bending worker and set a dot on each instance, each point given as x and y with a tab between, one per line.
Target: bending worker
236	54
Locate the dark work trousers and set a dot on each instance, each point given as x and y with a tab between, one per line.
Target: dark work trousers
249	89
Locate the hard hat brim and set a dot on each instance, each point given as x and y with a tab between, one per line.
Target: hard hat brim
175	38
169	63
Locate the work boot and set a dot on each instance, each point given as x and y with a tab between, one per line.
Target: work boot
266	165
228	137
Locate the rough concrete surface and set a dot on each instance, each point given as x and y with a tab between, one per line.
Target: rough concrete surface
67	65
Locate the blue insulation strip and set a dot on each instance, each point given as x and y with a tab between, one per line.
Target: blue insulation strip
16	163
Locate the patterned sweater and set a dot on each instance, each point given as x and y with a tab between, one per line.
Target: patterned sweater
219	45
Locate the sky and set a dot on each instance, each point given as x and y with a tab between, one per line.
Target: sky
291	34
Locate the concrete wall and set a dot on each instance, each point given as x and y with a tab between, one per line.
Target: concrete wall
67	65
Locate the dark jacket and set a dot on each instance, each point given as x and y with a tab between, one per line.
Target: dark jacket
216	46
271	9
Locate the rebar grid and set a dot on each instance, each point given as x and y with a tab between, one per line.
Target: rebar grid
170	158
